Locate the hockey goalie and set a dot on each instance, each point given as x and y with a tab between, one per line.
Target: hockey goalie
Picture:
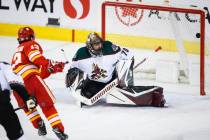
103	69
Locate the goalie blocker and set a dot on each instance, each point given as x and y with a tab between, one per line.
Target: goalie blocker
117	90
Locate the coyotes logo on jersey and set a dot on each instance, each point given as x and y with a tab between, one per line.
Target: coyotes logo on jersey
97	72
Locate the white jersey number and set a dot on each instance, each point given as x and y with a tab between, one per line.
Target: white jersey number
17	59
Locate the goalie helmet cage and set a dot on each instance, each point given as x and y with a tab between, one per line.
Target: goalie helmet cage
200	34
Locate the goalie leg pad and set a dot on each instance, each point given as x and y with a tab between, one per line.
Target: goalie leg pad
124	69
158	99
141	95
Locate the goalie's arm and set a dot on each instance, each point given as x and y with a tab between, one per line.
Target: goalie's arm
73	71
20	89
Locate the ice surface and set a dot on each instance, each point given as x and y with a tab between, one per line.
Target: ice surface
186	118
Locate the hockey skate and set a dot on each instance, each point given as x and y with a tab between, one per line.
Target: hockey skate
60	135
41	128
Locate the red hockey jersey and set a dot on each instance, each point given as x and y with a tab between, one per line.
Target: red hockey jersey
28	60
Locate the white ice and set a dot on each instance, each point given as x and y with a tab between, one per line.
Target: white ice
186	118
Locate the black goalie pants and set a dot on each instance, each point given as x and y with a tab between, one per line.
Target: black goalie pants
90	88
9	120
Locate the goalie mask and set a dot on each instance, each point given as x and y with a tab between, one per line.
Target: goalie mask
25	34
94	43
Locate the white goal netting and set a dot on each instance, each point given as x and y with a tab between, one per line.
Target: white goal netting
183	61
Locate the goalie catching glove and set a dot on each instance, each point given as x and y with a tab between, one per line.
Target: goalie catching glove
72	75
31	103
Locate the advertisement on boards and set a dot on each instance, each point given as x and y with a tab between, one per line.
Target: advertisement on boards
84	14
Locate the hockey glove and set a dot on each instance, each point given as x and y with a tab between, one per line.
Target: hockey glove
31	103
55	66
71	76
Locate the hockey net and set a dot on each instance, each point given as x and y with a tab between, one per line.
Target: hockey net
184	60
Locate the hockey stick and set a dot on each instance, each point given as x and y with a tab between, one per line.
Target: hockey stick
64	55
142	61
18	108
108	88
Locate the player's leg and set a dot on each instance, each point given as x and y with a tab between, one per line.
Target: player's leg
33	116
147	95
138	95
124	72
46	101
10	122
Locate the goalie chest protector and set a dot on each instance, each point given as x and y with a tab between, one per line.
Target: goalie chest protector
98	67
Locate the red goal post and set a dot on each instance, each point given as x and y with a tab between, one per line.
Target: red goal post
168	9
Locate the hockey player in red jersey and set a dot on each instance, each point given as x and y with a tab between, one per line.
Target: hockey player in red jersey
29	62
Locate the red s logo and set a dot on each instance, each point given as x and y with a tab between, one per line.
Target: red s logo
72	12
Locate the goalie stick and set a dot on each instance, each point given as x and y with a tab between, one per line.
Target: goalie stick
108	88
64	55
